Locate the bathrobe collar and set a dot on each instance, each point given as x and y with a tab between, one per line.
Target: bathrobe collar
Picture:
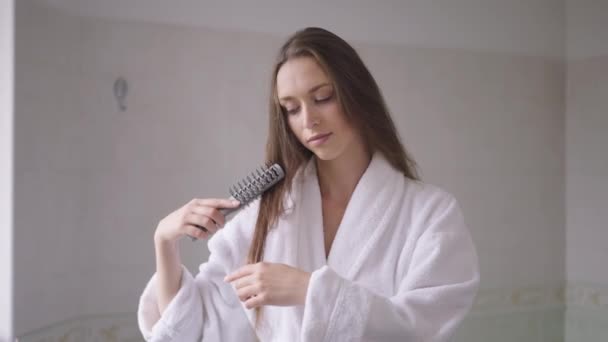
365	218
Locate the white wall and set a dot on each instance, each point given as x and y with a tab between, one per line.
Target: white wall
587	157
195	123
6	172
586	29
586	171
50	248
524	27
485	123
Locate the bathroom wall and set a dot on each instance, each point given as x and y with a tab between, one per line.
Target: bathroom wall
586	170
6	173
50	251
483	116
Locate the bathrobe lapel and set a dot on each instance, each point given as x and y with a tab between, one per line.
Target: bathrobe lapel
366	217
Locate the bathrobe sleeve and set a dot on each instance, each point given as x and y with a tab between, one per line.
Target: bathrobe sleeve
205	308
432	299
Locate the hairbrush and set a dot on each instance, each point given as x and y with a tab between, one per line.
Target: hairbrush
251	187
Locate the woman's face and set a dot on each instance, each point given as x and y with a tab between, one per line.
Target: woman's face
311	107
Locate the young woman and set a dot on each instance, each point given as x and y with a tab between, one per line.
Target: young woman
350	246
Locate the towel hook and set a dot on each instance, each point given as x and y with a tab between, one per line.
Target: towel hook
120	92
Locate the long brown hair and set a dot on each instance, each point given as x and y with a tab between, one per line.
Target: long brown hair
362	103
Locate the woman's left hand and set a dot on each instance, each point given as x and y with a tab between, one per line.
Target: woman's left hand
267	283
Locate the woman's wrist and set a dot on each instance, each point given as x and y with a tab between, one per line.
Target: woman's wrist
305	283
159	241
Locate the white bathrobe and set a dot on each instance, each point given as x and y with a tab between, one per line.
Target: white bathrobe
402	267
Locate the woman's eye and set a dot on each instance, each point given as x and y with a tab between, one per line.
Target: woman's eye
324	99
291	111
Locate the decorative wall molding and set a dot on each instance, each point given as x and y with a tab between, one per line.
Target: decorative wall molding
573	295
98	328
587	296
499	301
495	303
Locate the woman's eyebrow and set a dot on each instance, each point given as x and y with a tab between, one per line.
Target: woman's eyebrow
309	91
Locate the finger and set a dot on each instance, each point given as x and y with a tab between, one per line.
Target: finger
255	301
247	292
244	281
196	232
218	202
201	221
241	272
217	216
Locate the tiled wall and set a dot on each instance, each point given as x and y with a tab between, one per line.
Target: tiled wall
522	315
120	327
493	118
543	325
587	314
587	172
530	315
484	125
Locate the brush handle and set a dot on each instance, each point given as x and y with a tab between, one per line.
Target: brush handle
224	211
251	188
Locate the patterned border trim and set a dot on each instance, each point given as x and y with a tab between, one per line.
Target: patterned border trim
588	297
110	327
123	326
512	300
524	299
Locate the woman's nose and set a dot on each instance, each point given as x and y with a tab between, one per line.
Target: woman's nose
311	117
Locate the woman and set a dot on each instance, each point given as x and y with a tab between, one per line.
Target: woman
350	246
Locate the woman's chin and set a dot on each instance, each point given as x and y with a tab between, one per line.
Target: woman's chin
325	154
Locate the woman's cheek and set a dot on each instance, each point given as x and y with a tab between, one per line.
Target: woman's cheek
293	128
296	128
333	109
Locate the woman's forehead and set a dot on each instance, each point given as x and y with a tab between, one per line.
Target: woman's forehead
298	76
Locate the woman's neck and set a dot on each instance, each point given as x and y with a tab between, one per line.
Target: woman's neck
339	177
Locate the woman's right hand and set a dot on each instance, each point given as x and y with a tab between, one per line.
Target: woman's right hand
197	212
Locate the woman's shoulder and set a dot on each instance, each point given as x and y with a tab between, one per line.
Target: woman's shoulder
421	190
427	199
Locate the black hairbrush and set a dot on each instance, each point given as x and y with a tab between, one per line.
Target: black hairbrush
251	188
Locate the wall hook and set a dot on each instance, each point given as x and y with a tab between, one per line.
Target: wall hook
120	92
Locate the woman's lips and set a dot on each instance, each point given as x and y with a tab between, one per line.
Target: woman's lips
320	140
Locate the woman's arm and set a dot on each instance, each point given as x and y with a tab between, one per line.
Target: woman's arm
202	307
169	270
433	298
